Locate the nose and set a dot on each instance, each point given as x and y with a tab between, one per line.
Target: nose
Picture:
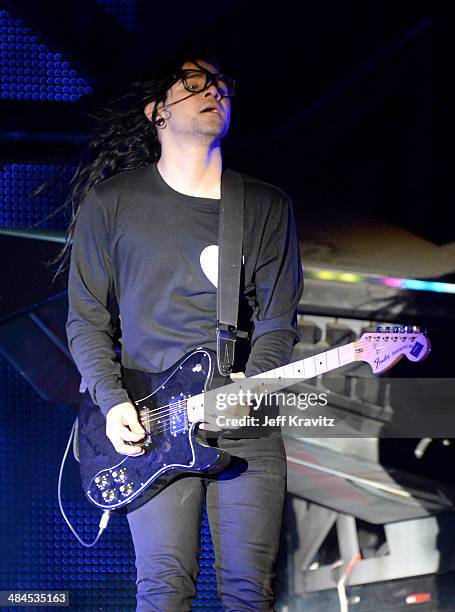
213	89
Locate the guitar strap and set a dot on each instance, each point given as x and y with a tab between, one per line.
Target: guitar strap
230	242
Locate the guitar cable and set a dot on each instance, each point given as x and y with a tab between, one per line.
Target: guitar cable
106	514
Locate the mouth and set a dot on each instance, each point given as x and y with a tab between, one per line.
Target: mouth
210	109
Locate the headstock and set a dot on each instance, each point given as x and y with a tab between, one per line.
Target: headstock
383	348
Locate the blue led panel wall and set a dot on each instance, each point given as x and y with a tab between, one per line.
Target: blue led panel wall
31	71
18	181
38	550
123	10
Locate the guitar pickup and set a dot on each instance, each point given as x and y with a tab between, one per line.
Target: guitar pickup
178	421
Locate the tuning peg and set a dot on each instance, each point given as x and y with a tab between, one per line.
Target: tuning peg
412	329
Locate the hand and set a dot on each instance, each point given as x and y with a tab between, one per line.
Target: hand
234	411
122	425
236	375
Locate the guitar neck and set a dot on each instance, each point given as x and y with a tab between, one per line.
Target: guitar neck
309	367
278	378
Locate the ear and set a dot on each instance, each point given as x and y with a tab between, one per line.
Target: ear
148	110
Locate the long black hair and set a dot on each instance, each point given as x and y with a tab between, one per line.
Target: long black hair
124	138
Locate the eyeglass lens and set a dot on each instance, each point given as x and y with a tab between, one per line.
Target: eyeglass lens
197	80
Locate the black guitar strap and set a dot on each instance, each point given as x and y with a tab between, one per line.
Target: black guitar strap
230	241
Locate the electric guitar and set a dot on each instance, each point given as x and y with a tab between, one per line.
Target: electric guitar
172	405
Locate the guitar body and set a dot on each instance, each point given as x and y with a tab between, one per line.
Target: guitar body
111	480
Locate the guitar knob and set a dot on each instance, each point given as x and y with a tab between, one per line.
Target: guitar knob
109	495
101	481
126	490
120	475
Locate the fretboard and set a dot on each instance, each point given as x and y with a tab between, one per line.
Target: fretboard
278	378
310	366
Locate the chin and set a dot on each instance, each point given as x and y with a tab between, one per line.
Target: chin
209	130
213	134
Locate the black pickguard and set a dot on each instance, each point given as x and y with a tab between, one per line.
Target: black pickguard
111	480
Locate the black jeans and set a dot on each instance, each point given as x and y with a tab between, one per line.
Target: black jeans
244	506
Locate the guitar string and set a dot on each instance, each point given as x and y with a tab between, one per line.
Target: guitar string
164	422
177	406
165	416
170	406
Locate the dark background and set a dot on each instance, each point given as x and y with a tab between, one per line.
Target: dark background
334	98
334	105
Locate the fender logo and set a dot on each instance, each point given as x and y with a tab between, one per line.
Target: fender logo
378	361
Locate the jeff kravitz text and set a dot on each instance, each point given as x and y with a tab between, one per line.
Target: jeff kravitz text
279	421
253	400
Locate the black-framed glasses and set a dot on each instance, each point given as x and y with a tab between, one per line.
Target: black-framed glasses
198	80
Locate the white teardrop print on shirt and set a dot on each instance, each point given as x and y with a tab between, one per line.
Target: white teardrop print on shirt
209	263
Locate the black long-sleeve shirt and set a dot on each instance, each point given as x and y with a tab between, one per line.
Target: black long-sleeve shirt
151	252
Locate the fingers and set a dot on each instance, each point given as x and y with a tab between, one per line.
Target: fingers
117	431
127	435
131	420
125	449
236	375
124	430
123	440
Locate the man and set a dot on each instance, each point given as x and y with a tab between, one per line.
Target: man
148	238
